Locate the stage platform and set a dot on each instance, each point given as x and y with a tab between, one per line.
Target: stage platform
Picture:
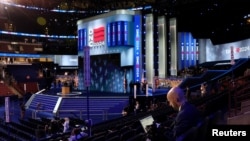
159	91
84	93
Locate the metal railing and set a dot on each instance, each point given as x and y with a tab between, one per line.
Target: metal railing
102	115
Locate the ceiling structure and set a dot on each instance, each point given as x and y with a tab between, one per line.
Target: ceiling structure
220	20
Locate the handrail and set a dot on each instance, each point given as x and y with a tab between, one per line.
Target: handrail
104	113
81	112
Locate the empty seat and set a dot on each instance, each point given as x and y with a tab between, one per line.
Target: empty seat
99	138
113	138
111	134
189	135
127	134
138	137
202	130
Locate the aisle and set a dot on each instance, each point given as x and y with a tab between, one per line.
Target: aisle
14	110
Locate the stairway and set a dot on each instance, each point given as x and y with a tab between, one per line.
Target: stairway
245	106
244	117
15	91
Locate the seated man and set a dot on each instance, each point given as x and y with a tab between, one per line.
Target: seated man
188	115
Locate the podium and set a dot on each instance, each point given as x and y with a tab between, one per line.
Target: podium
65	90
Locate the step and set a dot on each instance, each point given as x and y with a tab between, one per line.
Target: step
243	119
245	106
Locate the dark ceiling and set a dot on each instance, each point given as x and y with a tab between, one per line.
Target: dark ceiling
221	20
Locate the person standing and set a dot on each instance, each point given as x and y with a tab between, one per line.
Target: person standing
66	126
22	110
137	107
203	89
131	85
188	93
144	86
125	83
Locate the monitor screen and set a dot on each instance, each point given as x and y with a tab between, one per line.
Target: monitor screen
146	122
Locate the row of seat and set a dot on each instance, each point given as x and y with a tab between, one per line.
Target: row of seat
6	46
5	90
200	132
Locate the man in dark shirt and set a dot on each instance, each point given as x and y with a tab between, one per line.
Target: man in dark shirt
188	115
23	109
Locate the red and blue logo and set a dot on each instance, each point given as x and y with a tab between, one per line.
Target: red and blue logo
99	34
96	36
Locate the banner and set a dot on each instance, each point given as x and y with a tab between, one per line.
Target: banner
7	109
86	66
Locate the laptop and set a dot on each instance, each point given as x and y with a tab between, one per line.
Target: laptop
146	122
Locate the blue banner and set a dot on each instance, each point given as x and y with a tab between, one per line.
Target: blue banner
109	34
113	34
187	48
82	39
182	51
85	37
192	51
125	33
119	33
137	48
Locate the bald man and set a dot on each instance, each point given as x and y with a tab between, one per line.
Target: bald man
187	116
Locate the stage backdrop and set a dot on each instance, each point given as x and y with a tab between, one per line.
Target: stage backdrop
115	51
